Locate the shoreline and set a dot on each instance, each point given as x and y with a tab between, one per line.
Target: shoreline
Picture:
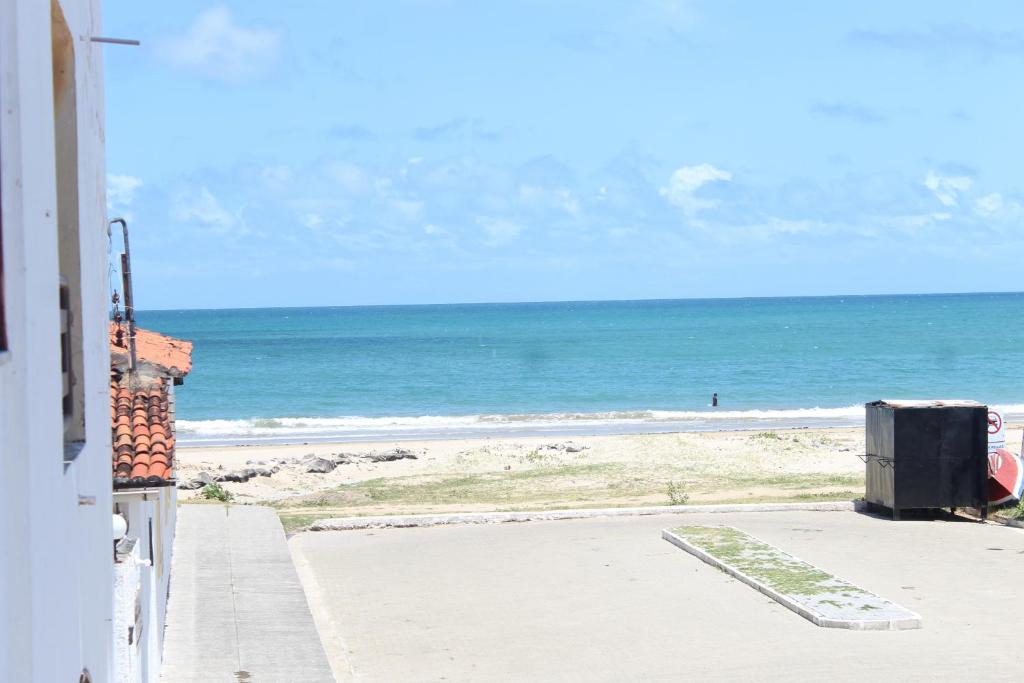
471	435
284	431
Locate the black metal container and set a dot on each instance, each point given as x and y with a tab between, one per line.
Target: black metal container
926	454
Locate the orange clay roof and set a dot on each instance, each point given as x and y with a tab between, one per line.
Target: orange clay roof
170	355
142	435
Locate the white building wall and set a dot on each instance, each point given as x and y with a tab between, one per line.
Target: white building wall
56	559
166	521
127	614
151	515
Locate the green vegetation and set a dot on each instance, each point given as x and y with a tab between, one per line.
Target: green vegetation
790	481
1012	511
559	486
676	469
294	523
215	492
297	515
677	494
537	456
769	565
567	485
765	436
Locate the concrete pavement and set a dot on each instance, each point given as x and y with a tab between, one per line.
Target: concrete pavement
237	611
609	600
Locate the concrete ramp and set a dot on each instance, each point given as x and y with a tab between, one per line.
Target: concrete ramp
237	611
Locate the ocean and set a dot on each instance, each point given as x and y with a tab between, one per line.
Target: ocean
446	371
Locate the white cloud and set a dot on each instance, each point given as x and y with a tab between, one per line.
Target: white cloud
352	178
409	209
499	230
995	206
215	47
312	221
121	190
411	164
912	223
567	202
678	14
946	188
435	230
204	208
685	182
989	204
560	199
794	227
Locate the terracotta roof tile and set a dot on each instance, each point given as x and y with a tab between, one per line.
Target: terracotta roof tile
143	445
171	356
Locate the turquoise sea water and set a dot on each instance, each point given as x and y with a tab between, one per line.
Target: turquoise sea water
450	370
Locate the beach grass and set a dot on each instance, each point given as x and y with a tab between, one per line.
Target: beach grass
543	487
296	519
541	473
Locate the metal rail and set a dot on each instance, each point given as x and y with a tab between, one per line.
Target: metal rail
129	308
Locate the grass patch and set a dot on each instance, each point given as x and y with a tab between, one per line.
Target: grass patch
765	436
768	565
786	481
568	482
816	497
294	523
215	492
567	485
792	486
1011	511
677	494
537	456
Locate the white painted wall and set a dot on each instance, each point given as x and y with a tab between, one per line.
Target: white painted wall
144	509
56	560
127	614
167	522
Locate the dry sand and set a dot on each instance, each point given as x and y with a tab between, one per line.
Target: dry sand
546	472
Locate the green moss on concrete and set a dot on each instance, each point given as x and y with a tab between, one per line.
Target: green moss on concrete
767	564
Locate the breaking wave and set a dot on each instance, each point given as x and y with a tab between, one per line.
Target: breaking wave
356	428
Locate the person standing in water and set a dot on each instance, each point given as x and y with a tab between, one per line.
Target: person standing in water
714	400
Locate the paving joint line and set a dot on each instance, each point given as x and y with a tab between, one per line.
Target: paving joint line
231	574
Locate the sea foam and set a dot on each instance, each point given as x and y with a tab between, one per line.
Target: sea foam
357	428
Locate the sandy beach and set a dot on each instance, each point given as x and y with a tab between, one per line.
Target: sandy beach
539	472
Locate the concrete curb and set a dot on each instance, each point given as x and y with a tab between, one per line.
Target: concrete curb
404	521
1017	523
912	621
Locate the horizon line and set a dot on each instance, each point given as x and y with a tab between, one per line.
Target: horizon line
582	301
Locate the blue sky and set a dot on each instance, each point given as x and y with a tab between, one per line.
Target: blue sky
429	151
